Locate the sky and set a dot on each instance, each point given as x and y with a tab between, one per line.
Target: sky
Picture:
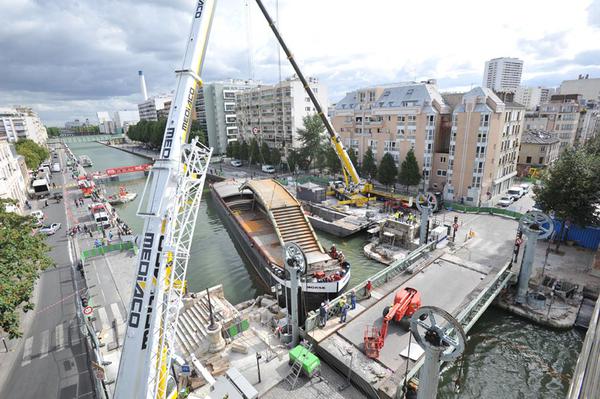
72	58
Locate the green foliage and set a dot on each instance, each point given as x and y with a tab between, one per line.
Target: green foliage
571	188
275	156
293	159
254	152
265	153
354	159
196	131
333	162
229	149
311	136
52	131
34	153
149	132
23	256
369	167
387	170
244	151
410	175
235	149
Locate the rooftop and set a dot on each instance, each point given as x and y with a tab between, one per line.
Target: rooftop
538	137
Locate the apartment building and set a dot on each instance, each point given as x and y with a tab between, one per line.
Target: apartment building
589	122
12	184
125	118
561	115
538	149
503	74
589	89
530	97
154	107
274	113
482	159
21	123
215	108
393	119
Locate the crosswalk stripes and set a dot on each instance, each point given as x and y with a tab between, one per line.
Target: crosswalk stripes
48	341
27	348
59	337
116	311
103	318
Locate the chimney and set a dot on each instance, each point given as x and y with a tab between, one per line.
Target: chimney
143	85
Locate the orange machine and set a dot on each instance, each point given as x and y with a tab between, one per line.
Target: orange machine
406	302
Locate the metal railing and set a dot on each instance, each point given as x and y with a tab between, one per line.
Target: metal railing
98	251
377	280
482	209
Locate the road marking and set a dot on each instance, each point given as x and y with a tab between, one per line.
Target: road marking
45	344
59	336
116	311
27	352
103	318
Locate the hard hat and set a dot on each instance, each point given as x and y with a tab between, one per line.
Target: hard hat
322	303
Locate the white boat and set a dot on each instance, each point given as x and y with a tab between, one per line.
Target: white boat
122	197
85	161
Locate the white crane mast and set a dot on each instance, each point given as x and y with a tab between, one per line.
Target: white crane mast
169	206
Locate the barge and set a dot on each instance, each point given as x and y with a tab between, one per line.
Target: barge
261	215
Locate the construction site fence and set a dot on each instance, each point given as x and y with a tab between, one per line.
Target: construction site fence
483	209
98	251
378	279
320	180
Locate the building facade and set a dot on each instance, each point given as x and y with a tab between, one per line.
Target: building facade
12	183
216	111
589	122
125	118
538	149
484	142
152	108
393	119
503	74
21	123
589	89
530	97
274	113
561	115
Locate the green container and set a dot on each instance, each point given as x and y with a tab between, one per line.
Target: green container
310	363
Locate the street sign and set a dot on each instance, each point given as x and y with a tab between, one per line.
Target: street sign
519	241
455	226
186	370
98	371
255	130
88	310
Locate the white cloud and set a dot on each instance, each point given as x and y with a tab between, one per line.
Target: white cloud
71	59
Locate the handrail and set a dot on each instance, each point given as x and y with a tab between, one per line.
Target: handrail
483	209
376	280
121	246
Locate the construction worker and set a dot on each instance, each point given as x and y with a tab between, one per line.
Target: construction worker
368	289
322	315
333	252
352	300
344	312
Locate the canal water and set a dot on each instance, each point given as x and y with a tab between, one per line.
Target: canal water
506	357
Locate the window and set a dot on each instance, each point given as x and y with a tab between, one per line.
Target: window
541	160
484	120
441	172
307	99
401	118
442	159
307	109
528	160
542	149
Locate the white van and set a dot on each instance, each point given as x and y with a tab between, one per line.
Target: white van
516	192
526	187
268	169
55	167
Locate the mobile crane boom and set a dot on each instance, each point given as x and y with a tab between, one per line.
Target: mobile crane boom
169	206
336	141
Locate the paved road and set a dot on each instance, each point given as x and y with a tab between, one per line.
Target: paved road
51	359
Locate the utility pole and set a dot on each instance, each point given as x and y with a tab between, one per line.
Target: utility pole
426	204
295	264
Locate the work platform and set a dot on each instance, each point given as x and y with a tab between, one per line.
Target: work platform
446	281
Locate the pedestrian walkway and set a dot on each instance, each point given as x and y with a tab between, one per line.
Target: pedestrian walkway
50	341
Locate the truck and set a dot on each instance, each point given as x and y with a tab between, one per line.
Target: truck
41	188
56	167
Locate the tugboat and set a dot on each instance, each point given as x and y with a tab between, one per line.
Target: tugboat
262	215
122	197
85	161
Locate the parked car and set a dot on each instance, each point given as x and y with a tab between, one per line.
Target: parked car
39	217
505	201
50	229
268	169
516	192
236	162
526	187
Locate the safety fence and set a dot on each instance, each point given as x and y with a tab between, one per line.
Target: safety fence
98	251
483	209
378	279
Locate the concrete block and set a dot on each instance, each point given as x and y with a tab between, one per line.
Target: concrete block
239	347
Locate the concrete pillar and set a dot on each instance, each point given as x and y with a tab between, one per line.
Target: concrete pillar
429	375
532	233
294	293
216	342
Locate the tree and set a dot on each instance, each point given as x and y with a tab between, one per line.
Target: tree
570	188
410	174
275	156
229	149
23	256
52	131
235	149
265	153
311	136
254	152
387	170
197	131
333	162
244	151
369	167
292	160
353	159
33	153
